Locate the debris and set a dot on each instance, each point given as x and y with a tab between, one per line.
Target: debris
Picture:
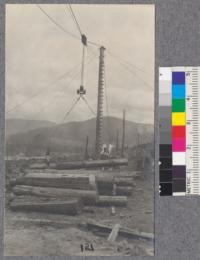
114	233
125	232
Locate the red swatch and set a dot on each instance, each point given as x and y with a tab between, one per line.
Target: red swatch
178	132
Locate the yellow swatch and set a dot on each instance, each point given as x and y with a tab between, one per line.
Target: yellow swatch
178	118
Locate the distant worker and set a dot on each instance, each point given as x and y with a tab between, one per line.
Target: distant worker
104	152
48	157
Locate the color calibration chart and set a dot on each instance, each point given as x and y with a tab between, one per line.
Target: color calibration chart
179	118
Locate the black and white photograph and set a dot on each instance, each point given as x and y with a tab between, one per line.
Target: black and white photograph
79	135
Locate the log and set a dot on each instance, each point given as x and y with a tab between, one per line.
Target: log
92	164
105	185
118	201
41	166
89	197
125	232
70	207
124	190
121	181
68	181
114	233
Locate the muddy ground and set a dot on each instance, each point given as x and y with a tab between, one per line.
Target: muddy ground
24	238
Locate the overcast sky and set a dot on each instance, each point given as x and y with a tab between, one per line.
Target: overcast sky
38	53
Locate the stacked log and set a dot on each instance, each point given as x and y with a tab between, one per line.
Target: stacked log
68	181
92	164
82	164
118	201
89	197
68	207
124	185
123	190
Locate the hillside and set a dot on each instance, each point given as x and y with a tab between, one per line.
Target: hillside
15	126
71	136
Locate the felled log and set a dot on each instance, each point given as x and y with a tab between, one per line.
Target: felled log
124	190
68	181
121	181
41	166
125	232
89	197
68	207
118	201
105	185
92	164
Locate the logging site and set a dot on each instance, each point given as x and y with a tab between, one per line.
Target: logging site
79	152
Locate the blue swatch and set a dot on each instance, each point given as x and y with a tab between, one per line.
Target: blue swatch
178	91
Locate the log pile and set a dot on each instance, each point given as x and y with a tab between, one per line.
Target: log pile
124	185
51	190
48	190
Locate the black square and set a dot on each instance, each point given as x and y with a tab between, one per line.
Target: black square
166	189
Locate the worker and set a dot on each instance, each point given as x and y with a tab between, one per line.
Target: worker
104	152
48	157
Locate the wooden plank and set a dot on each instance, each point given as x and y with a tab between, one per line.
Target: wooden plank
114	233
125	232
89	197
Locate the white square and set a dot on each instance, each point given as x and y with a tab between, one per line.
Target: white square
165	73
178	158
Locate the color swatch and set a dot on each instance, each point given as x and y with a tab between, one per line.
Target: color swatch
178	140
179	135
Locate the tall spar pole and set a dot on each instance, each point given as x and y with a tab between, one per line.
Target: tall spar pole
99	119
123	133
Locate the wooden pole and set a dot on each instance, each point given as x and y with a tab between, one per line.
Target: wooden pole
117	142
86	148
99	119
123	133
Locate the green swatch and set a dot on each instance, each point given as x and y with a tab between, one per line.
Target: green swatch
178	105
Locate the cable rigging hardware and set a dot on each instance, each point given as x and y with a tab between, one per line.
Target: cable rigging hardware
82	91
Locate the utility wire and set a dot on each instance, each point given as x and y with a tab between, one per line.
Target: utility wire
40	91
92	52
127	67
56	23
90	108
70	110
75	20
127	62
78	26
50	101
